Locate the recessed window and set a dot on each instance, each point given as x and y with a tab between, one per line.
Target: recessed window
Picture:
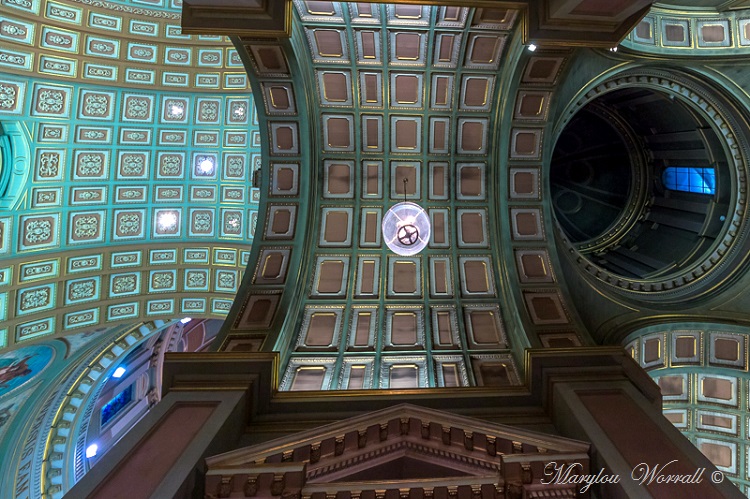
117	404
688	179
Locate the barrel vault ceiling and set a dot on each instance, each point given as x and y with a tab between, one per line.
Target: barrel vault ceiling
127	163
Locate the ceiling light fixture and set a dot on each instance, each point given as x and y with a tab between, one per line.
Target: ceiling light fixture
204	166
531	47
167	220
406	227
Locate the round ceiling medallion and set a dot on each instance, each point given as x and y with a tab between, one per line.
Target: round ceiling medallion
406	228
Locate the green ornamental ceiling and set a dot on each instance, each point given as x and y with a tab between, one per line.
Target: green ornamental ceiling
127	160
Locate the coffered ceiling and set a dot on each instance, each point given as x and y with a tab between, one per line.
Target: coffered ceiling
137	146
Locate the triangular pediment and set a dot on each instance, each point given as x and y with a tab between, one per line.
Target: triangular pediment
401	447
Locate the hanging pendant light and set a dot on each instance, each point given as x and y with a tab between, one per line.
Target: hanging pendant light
406	227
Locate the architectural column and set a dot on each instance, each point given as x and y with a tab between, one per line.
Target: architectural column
618	410
206	404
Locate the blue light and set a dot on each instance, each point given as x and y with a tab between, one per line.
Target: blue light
118	372
688	179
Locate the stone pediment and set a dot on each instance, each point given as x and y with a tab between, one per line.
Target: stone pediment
396	452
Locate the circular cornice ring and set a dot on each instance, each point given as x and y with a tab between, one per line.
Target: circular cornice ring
726	254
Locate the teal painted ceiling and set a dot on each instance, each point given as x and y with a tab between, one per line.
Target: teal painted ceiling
137	145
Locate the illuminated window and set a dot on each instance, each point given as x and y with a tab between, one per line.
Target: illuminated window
117	404
686	179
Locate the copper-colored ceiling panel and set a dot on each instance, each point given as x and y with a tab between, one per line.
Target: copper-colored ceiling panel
726	349
270	59
441	96
440	276
545	309
670	385
372	179
717	388
367	285
258	310
443	326
321	329
439	135
408	173
308	378
445	48
685	347
370	89
337	226
524	182
719	421
328	42
404	328
330	276
494	374
542	70
674	33
713	33
526	224
475	273
339	178
408	11
476	91
285	179
372	132
407	89
531	105
405	277
320	8
272	265
364	9
451	13
362	329
369	47
472	228
471	181
407	46
450	375
491	16
484	49
472	136
281	221
525	143
371	227
484	327
534	266
439	227
406	134
279	98
285	138
720	455
652	350
335	87
339	133
439	180
404	377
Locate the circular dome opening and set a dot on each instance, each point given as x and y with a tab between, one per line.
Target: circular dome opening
641	183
